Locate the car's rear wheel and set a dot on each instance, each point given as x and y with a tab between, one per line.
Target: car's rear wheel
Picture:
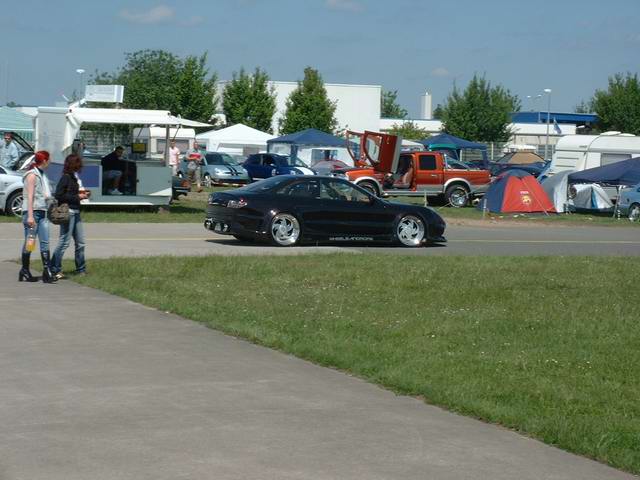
285	230
634	212
457	196
410	231
370	187
14	204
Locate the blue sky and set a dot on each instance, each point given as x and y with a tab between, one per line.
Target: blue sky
570	46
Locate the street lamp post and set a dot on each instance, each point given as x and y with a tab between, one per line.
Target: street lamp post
546	145
80	71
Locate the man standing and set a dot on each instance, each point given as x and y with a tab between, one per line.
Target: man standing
10	152
194	157
112	170
174	158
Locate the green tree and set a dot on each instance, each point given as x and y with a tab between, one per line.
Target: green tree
308	106
389	106
618	107
480	113
408	130
437	113
160	80
248	99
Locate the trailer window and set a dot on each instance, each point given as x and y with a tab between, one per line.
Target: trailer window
183	145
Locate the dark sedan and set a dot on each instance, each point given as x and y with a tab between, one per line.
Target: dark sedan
265	165
289	210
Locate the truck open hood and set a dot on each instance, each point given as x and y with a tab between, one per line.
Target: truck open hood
379	150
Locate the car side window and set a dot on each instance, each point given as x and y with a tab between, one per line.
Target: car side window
342	191
304	189
253	160
427	162
267	160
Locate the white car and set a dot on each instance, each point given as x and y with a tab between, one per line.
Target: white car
10	192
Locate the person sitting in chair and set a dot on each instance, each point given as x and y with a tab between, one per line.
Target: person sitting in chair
112	170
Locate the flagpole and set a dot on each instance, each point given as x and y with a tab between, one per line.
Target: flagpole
546	145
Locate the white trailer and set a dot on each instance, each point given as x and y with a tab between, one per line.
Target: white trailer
580	152
149	176
155	139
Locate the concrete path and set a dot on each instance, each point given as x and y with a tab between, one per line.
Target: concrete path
96	387
130	239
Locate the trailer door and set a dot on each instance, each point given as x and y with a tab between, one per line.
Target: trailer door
153	180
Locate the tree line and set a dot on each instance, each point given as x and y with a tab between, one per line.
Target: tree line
156	79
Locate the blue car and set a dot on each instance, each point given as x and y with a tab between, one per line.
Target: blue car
266	165
629	203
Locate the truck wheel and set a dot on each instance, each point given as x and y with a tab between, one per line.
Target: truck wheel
14	204
370	187
634	212
457	195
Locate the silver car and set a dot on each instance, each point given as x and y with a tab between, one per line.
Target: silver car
10	192
219	169
629	203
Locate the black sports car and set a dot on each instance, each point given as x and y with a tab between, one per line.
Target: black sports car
291	209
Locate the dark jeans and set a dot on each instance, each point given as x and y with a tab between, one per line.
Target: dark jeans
42	229
75	229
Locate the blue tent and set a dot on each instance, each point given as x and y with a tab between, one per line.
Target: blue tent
310	138
626	172
290	144
447	142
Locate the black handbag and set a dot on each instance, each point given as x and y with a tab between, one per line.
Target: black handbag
58	214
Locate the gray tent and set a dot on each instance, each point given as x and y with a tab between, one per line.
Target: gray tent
556	188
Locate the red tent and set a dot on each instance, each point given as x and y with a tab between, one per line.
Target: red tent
517	192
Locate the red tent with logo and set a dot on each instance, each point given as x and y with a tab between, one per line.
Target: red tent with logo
516	191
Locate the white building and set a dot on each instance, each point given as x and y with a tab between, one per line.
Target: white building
357	106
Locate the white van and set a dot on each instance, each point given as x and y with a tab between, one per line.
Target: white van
580	152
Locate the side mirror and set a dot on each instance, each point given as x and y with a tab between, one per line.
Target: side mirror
638	190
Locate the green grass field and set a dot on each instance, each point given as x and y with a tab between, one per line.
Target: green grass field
548	346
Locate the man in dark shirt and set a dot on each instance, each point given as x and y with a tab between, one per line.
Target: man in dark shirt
112	170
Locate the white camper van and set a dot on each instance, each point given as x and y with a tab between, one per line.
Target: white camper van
155	139
147	176
580	152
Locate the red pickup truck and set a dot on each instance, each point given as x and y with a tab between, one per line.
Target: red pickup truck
382	169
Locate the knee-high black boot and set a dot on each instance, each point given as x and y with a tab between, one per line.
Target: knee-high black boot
25	273
47	276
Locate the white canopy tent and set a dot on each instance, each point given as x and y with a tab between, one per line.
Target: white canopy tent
238	139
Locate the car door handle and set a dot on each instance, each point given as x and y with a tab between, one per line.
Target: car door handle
433	175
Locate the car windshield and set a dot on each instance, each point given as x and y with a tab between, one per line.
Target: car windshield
264	185
220	159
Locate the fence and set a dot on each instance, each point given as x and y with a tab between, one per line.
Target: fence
104	141
495	150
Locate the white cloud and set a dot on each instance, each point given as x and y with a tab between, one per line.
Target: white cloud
158	14
440	72
347	5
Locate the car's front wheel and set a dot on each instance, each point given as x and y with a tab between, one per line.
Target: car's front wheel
285	230
634	212
370	187
410	231
14	204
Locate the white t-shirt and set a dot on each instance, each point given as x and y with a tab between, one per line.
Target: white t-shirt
174	156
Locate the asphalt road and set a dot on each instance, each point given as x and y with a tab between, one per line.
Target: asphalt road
106	240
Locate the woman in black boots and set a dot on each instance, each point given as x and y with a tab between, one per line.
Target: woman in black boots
37	194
